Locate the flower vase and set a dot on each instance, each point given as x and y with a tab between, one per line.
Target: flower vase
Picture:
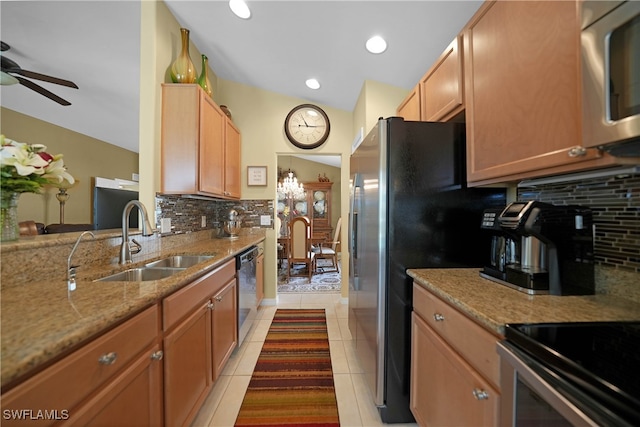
9	216
182	69
203	80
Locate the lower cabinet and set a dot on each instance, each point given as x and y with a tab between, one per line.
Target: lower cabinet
187	367
224	326
453	381
116	377
200	324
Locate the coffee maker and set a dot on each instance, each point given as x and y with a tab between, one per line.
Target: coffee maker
540	248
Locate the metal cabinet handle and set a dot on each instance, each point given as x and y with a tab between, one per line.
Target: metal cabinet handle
577	151
218	299
480	394
438	317
157	355
108	358
210	305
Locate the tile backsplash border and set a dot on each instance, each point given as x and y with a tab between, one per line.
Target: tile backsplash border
186	213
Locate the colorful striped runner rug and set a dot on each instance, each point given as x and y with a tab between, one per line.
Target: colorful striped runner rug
292	383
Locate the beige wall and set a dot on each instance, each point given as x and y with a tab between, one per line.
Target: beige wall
85	158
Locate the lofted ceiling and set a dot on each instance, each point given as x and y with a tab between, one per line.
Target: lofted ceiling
96	45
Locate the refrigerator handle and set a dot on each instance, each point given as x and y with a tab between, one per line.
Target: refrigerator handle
353	228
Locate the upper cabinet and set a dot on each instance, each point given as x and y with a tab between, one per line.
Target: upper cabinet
200	145
441	88
439	94
410	107
522	92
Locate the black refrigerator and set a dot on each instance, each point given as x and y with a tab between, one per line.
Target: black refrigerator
409	208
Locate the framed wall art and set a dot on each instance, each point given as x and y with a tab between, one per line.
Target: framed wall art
257	176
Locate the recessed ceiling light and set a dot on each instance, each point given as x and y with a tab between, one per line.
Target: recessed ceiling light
313	84
240	8
376	44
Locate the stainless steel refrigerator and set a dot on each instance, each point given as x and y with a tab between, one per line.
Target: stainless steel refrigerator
409	208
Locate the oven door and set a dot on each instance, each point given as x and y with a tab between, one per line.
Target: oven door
611	75
533	394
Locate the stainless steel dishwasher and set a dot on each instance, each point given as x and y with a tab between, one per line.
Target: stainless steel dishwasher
247	300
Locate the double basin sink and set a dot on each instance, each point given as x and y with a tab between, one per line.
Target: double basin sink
157	270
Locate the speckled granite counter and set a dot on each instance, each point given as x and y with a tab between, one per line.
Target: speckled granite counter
42	320
493	305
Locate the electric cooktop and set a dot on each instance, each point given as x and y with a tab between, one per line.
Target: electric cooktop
602	358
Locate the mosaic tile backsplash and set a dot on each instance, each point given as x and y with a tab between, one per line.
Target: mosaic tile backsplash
615	202
186	212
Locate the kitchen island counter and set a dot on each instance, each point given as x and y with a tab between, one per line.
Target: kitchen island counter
42	320
493	305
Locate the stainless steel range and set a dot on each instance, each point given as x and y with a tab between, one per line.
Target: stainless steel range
571	374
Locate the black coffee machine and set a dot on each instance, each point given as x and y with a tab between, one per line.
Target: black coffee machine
540	248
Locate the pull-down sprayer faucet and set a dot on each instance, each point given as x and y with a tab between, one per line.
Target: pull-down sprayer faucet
126	247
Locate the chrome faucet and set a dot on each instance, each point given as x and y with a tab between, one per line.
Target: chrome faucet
71	269
127	248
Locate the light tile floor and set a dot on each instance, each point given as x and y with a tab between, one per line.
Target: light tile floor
355	403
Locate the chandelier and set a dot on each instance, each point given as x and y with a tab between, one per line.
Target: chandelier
290	188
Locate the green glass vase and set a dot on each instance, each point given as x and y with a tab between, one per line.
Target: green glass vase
203	80
182	69
10	230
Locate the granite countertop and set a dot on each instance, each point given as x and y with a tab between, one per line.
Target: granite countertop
43	320
493	305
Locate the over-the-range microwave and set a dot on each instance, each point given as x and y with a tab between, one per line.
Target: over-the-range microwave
610	43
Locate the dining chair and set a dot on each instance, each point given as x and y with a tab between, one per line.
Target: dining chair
300	246
328	250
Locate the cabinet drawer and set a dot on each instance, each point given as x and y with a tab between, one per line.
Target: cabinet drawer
63	385
474	343
182	302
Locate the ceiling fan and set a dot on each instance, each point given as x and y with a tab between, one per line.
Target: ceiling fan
11	73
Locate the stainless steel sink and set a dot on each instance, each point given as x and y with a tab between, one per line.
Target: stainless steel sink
141	274
180	261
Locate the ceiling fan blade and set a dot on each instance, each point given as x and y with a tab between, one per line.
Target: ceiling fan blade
10	66
44	77
31	85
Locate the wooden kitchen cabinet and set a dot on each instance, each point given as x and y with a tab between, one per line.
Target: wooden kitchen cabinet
232	160
224	326
454	366
200	146
196	326
441	88
91	385
409	108
187	366
522	92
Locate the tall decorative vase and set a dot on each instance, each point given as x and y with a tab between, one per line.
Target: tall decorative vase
9	216
182	69
203	80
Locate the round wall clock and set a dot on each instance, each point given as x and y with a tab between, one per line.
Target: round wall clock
307	126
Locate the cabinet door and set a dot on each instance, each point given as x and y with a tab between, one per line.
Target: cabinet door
232	161
441	88
522	89
187	366
211	159
224	326
134	398
445	390
410	107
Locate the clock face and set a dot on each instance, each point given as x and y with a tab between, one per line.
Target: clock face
307	126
